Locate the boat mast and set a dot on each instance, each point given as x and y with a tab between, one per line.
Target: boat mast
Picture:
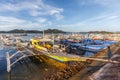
43	37
43	34
53	41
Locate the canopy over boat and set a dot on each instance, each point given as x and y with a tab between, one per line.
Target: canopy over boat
41	39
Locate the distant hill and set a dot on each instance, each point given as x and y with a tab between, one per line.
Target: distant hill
50	31
117	32
16	31
53	31
33	31
102	32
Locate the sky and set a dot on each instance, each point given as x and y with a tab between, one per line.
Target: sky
66	15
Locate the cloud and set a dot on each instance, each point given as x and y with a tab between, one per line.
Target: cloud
59	17
35	14
41	20
7	20
102	17
8	23
107	3
108	22
28	14
33	8
113	17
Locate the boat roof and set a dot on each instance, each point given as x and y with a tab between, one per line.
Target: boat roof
41	39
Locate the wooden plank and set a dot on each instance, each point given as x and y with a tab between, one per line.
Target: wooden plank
8	62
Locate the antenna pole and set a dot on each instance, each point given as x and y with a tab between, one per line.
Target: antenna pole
53	41
43	33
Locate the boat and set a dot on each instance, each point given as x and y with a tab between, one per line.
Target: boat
24	34
41	43
50	54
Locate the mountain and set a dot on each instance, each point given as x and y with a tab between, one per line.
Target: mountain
33	31
53	31
50	31
16	31
101	32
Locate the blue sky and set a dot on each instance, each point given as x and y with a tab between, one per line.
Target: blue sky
67	15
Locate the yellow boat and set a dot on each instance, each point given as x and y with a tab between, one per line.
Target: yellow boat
42	47
43	44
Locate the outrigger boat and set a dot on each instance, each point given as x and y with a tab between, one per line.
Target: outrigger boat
47	52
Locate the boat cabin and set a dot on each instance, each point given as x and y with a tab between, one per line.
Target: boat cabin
41	43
